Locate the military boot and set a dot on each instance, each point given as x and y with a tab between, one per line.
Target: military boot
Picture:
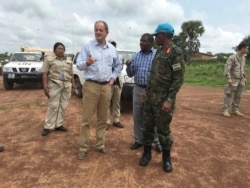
167	165
146	157
238	113
225	113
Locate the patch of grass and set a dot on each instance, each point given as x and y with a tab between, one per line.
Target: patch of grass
4	108
208	74
25	105
40	103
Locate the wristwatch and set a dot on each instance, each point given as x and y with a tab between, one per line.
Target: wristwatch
170	100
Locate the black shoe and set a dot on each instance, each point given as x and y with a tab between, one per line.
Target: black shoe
45	132
1	148
158	147
135	145
61	128
145	159
118	124
167	165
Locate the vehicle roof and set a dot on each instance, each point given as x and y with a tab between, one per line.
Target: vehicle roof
119	50
27	52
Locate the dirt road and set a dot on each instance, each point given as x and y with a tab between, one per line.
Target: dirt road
209	150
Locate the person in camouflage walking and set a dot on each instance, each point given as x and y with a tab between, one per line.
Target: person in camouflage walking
235	73
165	79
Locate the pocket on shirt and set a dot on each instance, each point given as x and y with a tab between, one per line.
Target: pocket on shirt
109	60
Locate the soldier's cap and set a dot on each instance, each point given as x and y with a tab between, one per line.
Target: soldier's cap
164	28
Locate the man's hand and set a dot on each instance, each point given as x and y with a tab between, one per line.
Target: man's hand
111	81
166	106
46	91
128	63
230	82
90	60
143	98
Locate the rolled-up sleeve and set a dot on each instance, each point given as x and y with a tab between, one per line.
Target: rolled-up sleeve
81	59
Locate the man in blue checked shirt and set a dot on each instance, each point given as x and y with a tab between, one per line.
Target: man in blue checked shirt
140	67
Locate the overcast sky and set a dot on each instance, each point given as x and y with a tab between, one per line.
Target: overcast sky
41	23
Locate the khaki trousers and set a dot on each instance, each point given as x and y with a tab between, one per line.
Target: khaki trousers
115	104
232	97
58	101
96	97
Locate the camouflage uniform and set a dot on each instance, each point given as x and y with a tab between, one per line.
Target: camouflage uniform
165	80
234	70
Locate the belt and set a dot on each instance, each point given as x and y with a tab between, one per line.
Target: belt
142	86
101	83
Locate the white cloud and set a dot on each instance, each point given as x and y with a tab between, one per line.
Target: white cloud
42	23
218	40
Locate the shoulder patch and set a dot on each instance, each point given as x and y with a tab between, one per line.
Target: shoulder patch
168	51
176	66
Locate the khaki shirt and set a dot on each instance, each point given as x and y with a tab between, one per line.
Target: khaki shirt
59	71
235	69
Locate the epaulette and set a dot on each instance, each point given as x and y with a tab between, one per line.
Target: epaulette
50	56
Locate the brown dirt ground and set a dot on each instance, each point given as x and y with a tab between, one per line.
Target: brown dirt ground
209	150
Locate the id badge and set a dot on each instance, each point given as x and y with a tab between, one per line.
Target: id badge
61	75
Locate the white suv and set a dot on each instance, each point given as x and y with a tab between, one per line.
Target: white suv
22	67
128	83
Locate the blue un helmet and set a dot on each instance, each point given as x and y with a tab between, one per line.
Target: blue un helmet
164	28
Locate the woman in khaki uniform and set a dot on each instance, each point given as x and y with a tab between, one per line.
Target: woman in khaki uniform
58	81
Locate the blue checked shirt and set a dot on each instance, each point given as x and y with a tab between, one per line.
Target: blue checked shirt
140	67
106	59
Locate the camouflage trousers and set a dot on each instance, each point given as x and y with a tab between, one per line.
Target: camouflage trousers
154	116
232	96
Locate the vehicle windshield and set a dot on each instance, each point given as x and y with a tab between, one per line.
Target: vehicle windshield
71	56
125	55
26	57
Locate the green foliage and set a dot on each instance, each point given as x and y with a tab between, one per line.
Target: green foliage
188	38
208	73
3	57
247	40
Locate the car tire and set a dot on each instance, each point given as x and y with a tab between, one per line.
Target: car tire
78	87
8	85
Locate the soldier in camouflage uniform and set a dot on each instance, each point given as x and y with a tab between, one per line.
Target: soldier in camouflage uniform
235	74
165	80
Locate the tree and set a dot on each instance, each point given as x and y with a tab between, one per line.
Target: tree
247	40
188	38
